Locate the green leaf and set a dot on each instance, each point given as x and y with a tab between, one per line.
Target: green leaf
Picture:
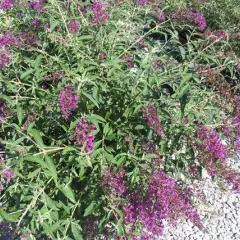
19	114
68	192
49	202
27	73
38	61
37	137
76	232
34	173
36	159
90	98
10	217
89	209
51	167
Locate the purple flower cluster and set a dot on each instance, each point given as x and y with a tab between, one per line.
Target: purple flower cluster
68	101
5	58
83	135
233	179
37	6
190	16
128	60
36	23
7	4
7	230
55	76
211	143
150	148
164	200
73	26
99	12
151	116
6	177
8	39
142	2
115	183
213	36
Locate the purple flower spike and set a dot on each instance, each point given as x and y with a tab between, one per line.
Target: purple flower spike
83	135
73	26
99	12
151	116
7	4
212	143
68	101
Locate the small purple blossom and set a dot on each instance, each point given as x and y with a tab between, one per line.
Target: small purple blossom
8	39
8	174
151	116
7	4
99	13
215	35
5	58
211	143
142	2
190	16
73	26
128	60
68	101
115	183
36	23
47	25
55	76
37	6
7	230
83	135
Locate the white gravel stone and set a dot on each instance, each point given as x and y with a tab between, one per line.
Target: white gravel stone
220	213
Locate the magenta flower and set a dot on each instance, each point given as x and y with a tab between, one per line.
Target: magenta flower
115	183
5	58
8	174
36	23
8	39
83	135
128	60
99	12
151	116
213	36
7	4
211	143
68	101
73	26
142	2
164	200
190	16
37	6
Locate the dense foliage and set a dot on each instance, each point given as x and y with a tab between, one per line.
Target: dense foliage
108	113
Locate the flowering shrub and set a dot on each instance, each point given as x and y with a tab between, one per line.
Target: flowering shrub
108	114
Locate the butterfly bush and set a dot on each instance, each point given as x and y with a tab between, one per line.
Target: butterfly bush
68	101
110	164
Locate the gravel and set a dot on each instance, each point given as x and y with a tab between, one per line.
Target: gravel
220	211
